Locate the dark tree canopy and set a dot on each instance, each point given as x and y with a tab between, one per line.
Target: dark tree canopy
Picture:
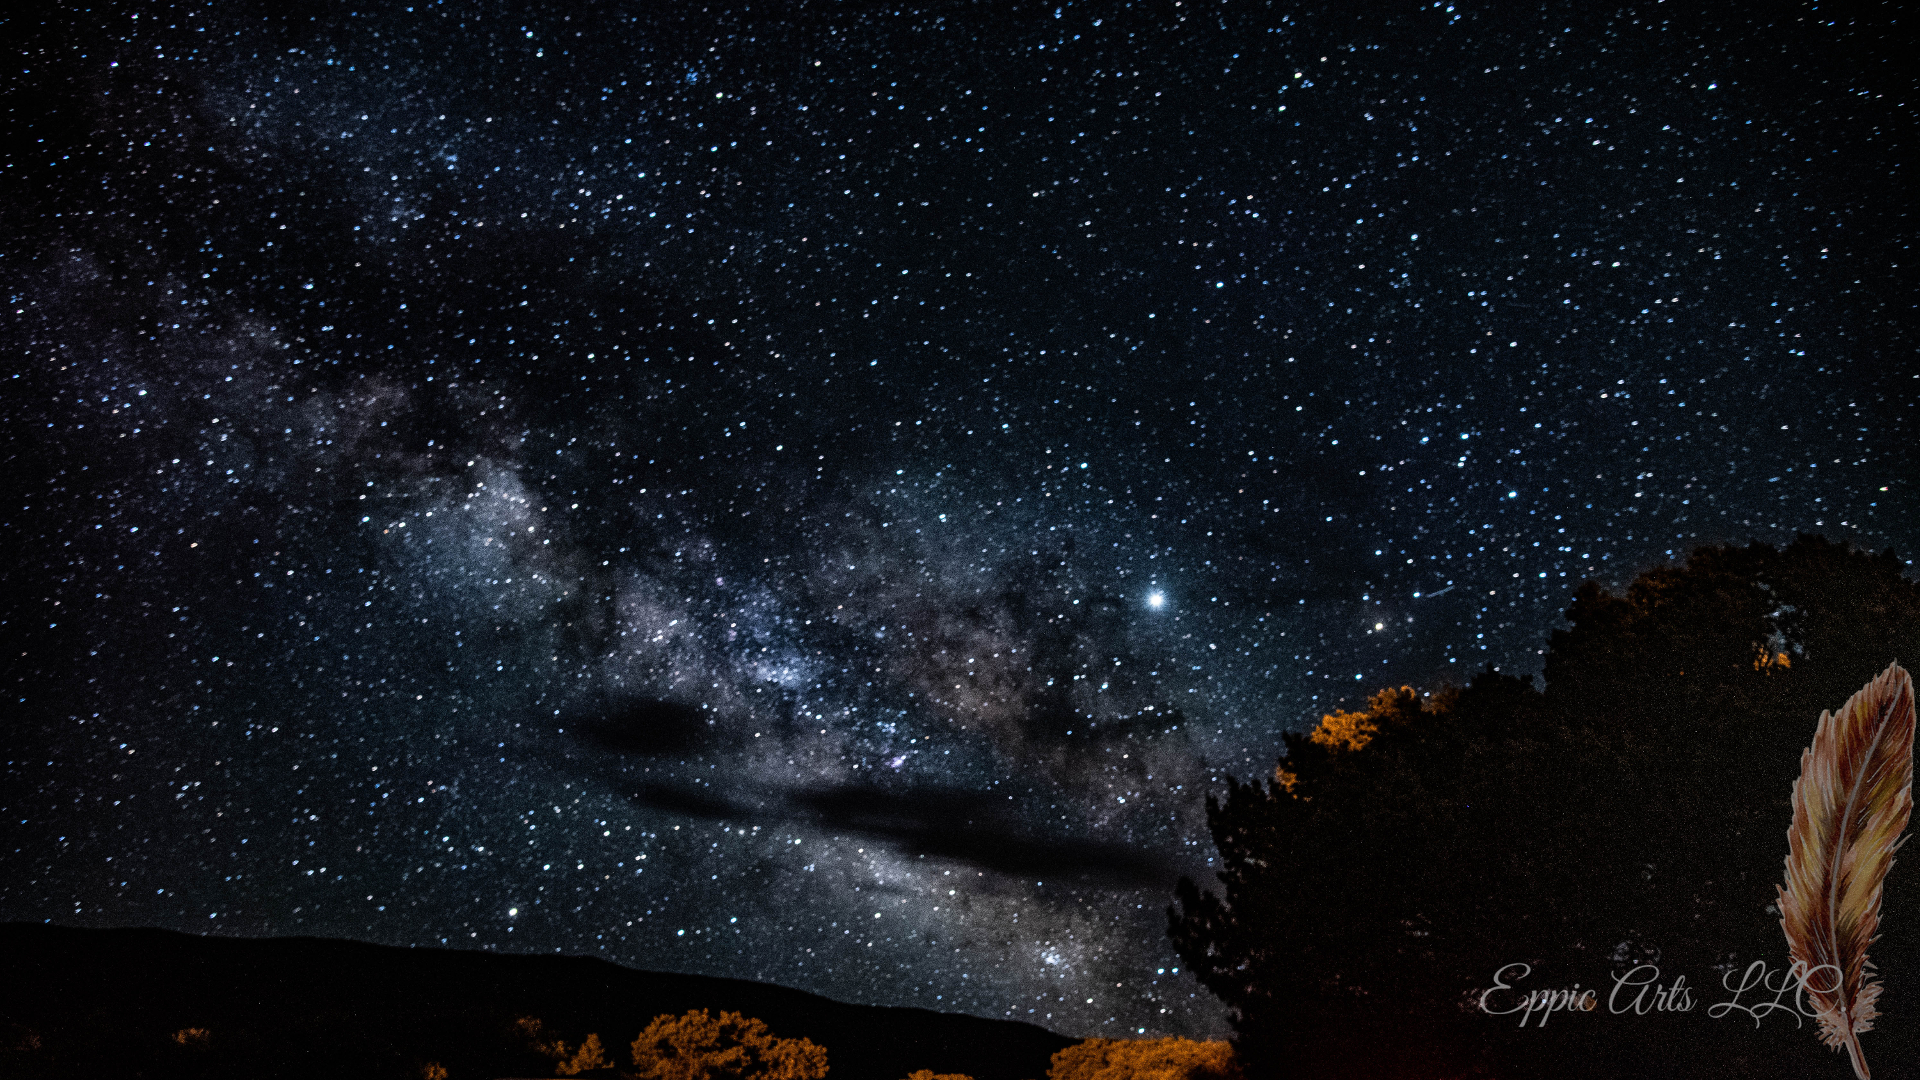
1634	811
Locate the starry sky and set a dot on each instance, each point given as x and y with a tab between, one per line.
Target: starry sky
821	492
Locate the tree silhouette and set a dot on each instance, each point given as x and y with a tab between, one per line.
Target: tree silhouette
734	1047
1635	810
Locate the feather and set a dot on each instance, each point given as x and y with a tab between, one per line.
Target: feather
1850	805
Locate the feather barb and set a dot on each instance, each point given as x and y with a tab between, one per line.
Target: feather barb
1850	807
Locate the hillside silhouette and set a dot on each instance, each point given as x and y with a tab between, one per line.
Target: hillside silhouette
142	1003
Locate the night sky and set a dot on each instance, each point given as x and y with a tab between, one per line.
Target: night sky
821	492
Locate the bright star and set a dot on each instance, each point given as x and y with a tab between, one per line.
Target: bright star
1156	600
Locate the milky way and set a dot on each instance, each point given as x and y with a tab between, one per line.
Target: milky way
822	497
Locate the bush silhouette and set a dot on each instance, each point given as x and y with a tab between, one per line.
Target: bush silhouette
734	1047
1144	1059
929	1074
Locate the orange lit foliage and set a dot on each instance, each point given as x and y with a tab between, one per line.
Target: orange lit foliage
734	1047
570	1061
1342	730
536	1033
587	1058
929	1074
1145	1059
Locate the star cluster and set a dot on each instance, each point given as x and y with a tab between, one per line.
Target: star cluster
822	496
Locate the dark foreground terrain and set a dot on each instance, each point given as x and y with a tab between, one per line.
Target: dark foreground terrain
153	1003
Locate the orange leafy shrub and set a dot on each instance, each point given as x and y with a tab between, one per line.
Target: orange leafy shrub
1145	1059
734	1047
570	1061
587	1058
